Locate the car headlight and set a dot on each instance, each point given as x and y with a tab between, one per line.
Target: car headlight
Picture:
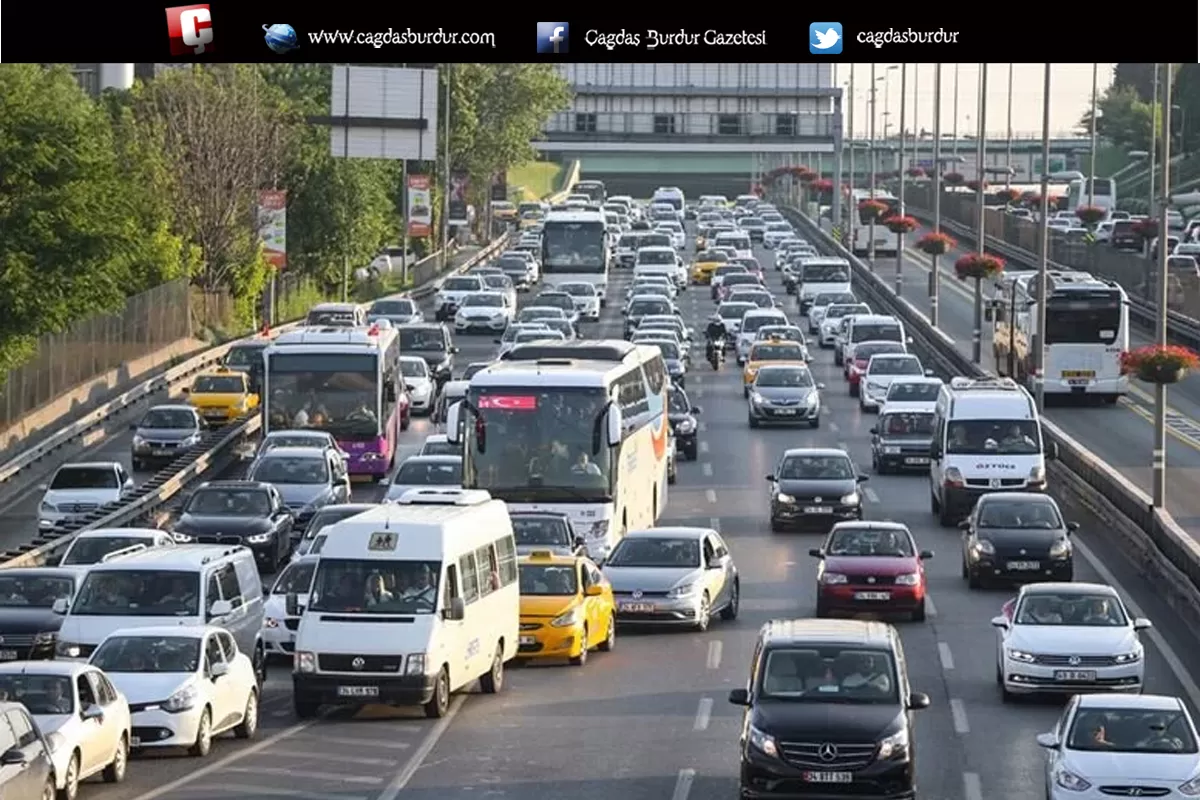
415	665
762	742
1037	474
894	746
756	398
49	507
911	579
875	387
784	498
1060	549
891	449
138	442
182	700
833	577
683	590
1020	655
181	538
849	499
812	399
1070	781
260	538
55	741
687	426
568	620
304	661
1132	657
985	547
68	649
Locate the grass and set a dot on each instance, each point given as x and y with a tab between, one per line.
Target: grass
534	180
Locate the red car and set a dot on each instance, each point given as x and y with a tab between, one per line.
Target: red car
854	368
871	567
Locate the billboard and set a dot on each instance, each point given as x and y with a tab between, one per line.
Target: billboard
420	206
457	212
500	186
272	226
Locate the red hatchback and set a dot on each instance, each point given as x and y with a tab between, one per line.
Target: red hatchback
871	567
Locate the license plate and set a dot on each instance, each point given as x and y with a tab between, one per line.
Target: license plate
1024	565
8	655
161	452
637	607
818	510
1074	674
786	412
135	741
1078	373
527	640
358	691
829	777
1078	381
872	596
916	460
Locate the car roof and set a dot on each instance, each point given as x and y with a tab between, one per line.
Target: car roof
261	485
190	631
64	668
1067	588
670	532
428	459
1038	497
783	632
90	465
173	407
294	452
814	451
870	525
309	433
1155	702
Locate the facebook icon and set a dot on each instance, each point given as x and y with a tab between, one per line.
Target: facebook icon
553	37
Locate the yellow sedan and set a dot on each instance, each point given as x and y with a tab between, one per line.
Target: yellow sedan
771	351
567	608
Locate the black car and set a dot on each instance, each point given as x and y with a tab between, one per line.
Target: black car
828	713
323	518
1016	537
248	513
28	624
814	488
683	422
900	441
546	530
431	341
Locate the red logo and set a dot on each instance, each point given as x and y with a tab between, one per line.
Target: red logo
509	402
190	30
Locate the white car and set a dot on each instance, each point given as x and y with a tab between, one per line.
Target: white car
751	322
533	267
185	684
483	312
422	389
104	544
537	313
831	321
775	233
816	312
881	370
452	292
438	444
588	300
279	629
912	394
76	490
523	332
675	231
84	718
426	472
1144	744
652	284
1067	638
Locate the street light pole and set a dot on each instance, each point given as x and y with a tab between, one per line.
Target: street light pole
977	333
1153	149
871	231
900	164
916	112
954	122
1039	343
934	278
1160	321
853	210
1092	158
1008	150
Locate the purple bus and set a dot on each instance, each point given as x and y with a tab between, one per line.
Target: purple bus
345	381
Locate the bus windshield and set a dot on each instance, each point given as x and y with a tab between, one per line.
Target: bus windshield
574	247
333	392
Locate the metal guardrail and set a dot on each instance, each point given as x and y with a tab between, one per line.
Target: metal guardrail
212	451
1161	535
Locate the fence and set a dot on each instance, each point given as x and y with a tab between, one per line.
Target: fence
150	322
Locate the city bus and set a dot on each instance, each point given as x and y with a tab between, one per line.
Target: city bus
575	247
593	189
1078	194
578	428
1087	328
886	242
345	381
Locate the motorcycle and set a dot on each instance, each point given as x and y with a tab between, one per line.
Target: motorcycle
716	352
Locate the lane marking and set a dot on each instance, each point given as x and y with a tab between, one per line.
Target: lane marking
872	496
833	428
972	786
683	784
703	714
714	654
357	741
707	469
332	777
930	608
711	495
210	790
702	426
703	448
699	393
393	789
364	760
715	523
944	654
958	712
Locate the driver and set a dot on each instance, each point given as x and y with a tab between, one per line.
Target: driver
715	328
868	673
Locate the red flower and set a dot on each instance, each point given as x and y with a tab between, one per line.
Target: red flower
873	209
822	185
915	172
1153	361
975	186
953	179
899	224
803	174
977	266
936	243
1007	195
1146	228
1090	215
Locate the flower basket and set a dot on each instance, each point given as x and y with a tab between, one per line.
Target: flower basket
901	225
872	209
804	174
915	172
1146	228
976	186
1155	364
978	267
936	244
953	179
1090	215
822	185
1006	196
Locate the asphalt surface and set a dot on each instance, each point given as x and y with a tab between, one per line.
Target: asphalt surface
1123	434
650	721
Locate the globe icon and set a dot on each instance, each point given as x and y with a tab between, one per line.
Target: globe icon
281	38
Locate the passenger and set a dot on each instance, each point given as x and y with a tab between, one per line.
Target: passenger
377	593
57	701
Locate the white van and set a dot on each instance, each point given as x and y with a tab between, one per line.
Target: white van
820	275
409	603
738	241
987	437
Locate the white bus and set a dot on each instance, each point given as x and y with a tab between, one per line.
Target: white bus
1079	193
1087	328
593	189
578	428
886	242
410	602
575	248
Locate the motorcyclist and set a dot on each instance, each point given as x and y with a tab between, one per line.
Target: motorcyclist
714	333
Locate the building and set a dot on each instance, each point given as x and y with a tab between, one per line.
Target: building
95	78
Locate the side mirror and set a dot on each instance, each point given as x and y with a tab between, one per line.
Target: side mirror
185	390
408	387
497	341
1048	741
456	611
863	478
928	373
874	431
43	487
965	525
220	608
908	340
925	555
133	426
452	350
219	669
1072	527
13	758
616	426
1051	451
918	701
1142	624
696	410
1000	622
93	712
595	590
580	541
771	478
453	415
816	552
61	605
739	697
291	605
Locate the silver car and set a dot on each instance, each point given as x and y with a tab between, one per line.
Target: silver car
308	478
425	472
673	576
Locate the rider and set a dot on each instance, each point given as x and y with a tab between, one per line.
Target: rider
714	333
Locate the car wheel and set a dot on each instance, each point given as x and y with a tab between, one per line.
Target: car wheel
730	612
116	769
203	744
492	681
49	790
439	704
581	659
918	614
753	422
70	788
249	724
704	613
304	708
610	637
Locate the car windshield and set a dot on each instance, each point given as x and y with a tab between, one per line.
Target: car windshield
839	311
886	542
910	392
825	273
669	350
992	437
812	467
429	473
512	264
905	424
562	301
759	299
484	300
215	502
658	327
628	241
777	352
219	384
148	654
393	308
655	551
530	530
894	366
1131	730
830	674
169	419
793	378
295	579
422	340
522	337
23	590
779	227
138	593
1071	608
735	310
85	478
655	257
498	282
462	285
440	447
679	403
414	368
291	470
1021	514
830	298
533	314
93	549
864	351
579	289
375	586
878	332
554	580
714	257
42	695
642	307
757	322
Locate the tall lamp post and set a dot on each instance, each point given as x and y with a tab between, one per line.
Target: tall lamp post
934	278
954	122
916	112
977	332
1092	157
887	100
874	168
900	164
853	210
1008	148
1160	321
1039	344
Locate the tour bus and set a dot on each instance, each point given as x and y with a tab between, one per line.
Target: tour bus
593	189
672	195
885	241
410	602
1087	329
1080	193
578	428
575	248
345	381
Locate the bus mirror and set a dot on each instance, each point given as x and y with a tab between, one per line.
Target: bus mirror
1051	451
616	426
452	423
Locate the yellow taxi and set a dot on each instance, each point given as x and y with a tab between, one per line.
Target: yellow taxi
770	351
706	264
504	211
530	219
567	608
222	394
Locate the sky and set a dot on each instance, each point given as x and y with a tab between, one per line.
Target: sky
1070	97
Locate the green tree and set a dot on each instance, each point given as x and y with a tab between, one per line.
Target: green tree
1123	119
1186	120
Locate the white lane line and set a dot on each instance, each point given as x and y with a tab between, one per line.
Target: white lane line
833	427
944	654
972	786
715	523
711	495
871	495
703	714
393	789
714	654
706	468
1168	653
212	790
703	447
702	426
930	608
699	393
958	712
364	760
683	784
362	742
332	777
224	763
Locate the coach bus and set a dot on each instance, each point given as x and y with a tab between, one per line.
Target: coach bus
575	247
344	381
578	428
886	242
593	189
1079	193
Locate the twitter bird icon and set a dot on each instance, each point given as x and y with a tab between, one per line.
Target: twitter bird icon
825	38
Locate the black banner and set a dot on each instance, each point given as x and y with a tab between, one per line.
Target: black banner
239	32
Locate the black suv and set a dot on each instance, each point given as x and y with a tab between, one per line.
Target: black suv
828	712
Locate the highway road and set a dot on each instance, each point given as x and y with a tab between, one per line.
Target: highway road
650	721
1121	435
